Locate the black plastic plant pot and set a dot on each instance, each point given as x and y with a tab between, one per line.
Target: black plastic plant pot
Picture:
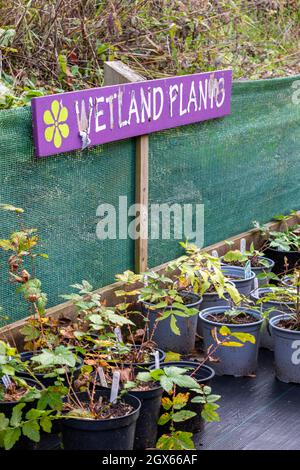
292	257
48	381
203	376
237	276
286	350
275	308
212	299
164	337
258	270
107	434
233	360
142	365
146	426
6	407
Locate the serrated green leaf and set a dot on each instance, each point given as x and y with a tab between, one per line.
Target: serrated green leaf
11	436
31	429
16	416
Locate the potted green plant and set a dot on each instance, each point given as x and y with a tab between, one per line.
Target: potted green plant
98	419
50	366
202	273
243	325
184	398
101	322
260	265
23	403
285	330
170	313
272	301
282	246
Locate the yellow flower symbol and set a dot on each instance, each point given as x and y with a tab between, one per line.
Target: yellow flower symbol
56	122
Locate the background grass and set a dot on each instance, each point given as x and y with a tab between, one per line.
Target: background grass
55	45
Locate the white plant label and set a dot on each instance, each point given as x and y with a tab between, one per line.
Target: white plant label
118	334
248	270
115	387
6	381
243	245
215	254
255	291
156	358
101	375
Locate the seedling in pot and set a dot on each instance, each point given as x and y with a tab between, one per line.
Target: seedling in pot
202	273
286	240
23	402
239	258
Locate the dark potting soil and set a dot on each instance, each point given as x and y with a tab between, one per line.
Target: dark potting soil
290	324
135	357
103	409
241	319
13	393
128	374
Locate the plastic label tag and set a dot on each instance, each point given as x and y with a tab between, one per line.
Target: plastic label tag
215	254
157	362
255	290
248	270
101	375
243	245
118	334
6	381
115	387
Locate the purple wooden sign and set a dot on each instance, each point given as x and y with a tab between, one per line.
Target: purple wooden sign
79	119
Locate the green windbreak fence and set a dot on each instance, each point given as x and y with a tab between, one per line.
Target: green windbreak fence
243	167
61	195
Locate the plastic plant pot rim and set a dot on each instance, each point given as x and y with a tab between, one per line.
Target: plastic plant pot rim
264	290
212	294
285	283
270	261
106	392
170	307
162	356
155	390
40	375
188	365
273	323
239	270
220	310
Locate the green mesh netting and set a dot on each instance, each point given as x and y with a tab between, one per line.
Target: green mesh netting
60	195
242	167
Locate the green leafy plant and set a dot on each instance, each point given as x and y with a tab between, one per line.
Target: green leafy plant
287	239
22	244
237	258
202	273
290	297
36	407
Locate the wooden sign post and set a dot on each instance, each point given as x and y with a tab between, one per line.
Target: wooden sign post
116	72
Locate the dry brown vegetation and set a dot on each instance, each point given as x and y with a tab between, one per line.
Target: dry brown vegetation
58	45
